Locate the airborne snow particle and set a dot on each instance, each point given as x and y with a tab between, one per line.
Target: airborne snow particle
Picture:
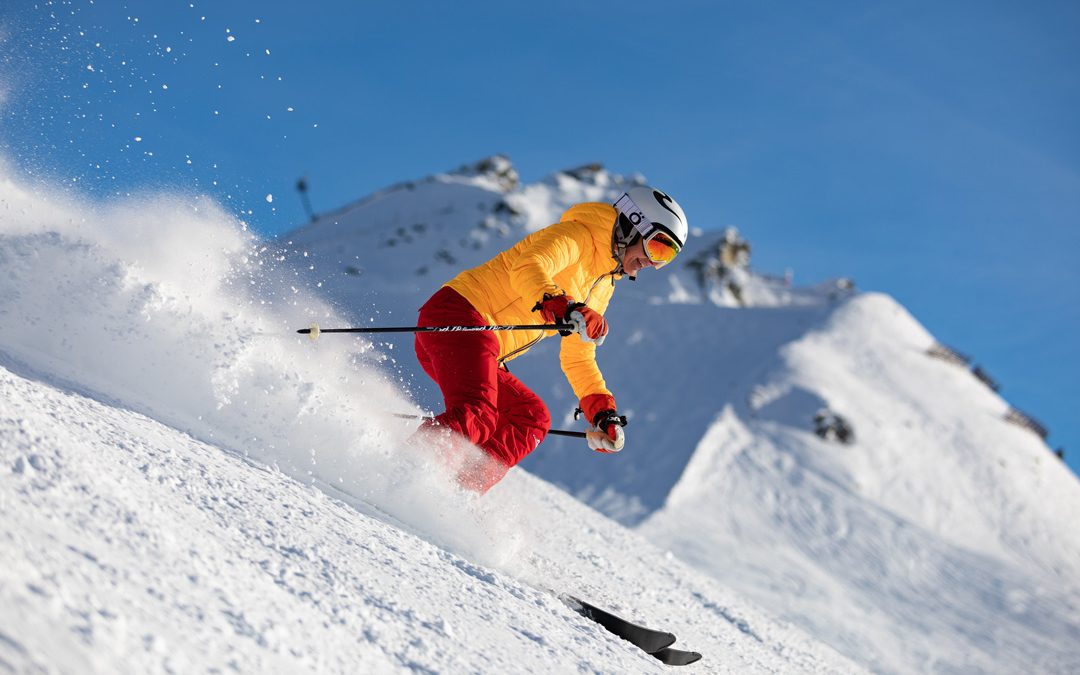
138	139
270	199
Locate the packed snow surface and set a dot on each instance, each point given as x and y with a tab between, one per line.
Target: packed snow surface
187	485
129	546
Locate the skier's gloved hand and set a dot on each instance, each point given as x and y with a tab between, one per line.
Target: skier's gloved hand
606	433
589	323
555	309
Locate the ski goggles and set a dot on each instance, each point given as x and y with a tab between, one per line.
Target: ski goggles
661	248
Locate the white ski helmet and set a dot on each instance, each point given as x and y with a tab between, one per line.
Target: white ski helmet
642	211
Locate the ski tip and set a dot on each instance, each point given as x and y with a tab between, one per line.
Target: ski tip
676	657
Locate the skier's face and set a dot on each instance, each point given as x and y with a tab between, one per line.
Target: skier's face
635	260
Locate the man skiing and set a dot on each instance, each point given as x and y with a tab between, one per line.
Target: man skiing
567	273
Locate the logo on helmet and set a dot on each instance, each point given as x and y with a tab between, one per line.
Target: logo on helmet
661	198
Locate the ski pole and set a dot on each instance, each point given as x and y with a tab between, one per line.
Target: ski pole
553	432
314	331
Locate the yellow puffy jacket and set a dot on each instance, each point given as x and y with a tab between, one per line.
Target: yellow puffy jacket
573	256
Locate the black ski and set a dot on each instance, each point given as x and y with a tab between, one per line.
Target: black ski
677	657
654	642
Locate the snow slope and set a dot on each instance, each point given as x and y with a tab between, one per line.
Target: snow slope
131	547
187	485
941	541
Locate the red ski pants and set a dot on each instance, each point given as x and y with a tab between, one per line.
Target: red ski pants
484	403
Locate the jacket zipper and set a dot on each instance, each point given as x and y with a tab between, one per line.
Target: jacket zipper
503	359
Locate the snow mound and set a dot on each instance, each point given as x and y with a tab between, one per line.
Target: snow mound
941	539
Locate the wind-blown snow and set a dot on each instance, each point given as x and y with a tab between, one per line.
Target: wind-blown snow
167	306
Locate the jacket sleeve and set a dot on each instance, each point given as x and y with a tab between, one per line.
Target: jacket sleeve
550	251
578	360
578	357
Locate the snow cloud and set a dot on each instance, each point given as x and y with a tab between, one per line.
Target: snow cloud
169	306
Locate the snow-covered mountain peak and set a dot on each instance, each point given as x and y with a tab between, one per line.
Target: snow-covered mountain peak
496	169
404	241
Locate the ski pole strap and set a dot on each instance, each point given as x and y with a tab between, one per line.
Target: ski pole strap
314	331
614	418
552	432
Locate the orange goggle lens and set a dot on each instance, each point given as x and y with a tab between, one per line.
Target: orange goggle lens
661	248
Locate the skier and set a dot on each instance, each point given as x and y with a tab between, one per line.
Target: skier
566	272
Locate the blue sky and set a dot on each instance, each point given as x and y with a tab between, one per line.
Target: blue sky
929	150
